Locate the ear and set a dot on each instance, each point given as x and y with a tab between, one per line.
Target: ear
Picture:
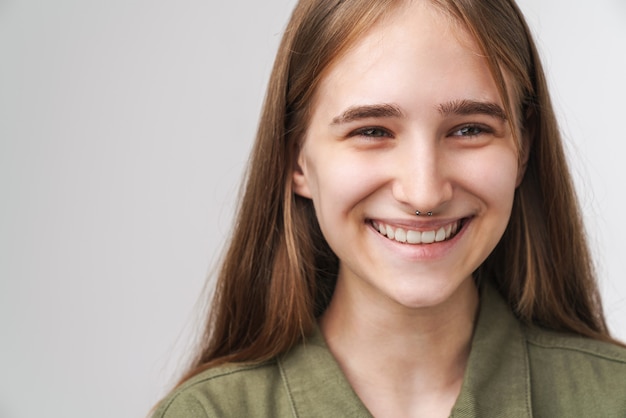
527	138
299	177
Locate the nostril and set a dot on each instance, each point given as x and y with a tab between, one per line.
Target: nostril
425	195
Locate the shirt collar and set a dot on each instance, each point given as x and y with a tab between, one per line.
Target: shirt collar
315	383
497	378
496	381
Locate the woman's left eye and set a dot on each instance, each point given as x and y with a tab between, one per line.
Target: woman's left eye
470	130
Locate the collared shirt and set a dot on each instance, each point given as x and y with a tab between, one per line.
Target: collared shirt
513	371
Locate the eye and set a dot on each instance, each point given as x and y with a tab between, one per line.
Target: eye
372	132
471	130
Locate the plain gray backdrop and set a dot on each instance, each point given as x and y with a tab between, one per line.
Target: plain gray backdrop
124	129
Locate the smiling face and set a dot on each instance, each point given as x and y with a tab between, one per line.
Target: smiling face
408	120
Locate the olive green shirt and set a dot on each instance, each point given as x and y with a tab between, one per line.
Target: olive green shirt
513	371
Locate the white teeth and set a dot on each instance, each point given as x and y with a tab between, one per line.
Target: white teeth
414	237
428	237
417	237
400	235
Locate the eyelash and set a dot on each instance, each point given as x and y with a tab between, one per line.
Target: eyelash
482	129
470	130
372	132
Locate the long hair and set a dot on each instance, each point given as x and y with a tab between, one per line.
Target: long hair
278	273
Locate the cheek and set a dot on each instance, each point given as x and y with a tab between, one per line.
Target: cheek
339	182
492	176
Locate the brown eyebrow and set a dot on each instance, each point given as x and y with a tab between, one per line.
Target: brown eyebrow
472	107
368	111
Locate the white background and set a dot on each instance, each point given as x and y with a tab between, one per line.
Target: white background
124	129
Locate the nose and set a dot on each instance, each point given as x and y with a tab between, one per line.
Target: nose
422	180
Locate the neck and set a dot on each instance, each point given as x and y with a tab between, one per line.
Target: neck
407	356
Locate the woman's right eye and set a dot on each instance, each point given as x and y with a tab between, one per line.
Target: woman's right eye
372	132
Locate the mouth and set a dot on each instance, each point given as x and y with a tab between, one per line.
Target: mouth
412	236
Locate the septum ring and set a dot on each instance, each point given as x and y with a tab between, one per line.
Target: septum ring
418	213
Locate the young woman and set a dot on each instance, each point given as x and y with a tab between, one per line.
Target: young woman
408	242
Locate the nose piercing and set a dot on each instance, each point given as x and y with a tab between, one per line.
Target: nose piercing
418	213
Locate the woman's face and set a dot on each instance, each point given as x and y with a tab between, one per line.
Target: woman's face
409	120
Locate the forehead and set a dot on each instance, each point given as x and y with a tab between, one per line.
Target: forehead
415	53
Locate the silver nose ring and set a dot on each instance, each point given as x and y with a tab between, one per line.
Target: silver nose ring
418	213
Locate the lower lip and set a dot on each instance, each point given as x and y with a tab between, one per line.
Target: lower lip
433	251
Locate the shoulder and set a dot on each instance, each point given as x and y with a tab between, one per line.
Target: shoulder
565	350
228	390
546	342
305	380
576	374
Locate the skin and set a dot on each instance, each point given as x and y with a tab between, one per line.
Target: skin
409	119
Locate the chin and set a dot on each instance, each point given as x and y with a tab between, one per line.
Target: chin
433	294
